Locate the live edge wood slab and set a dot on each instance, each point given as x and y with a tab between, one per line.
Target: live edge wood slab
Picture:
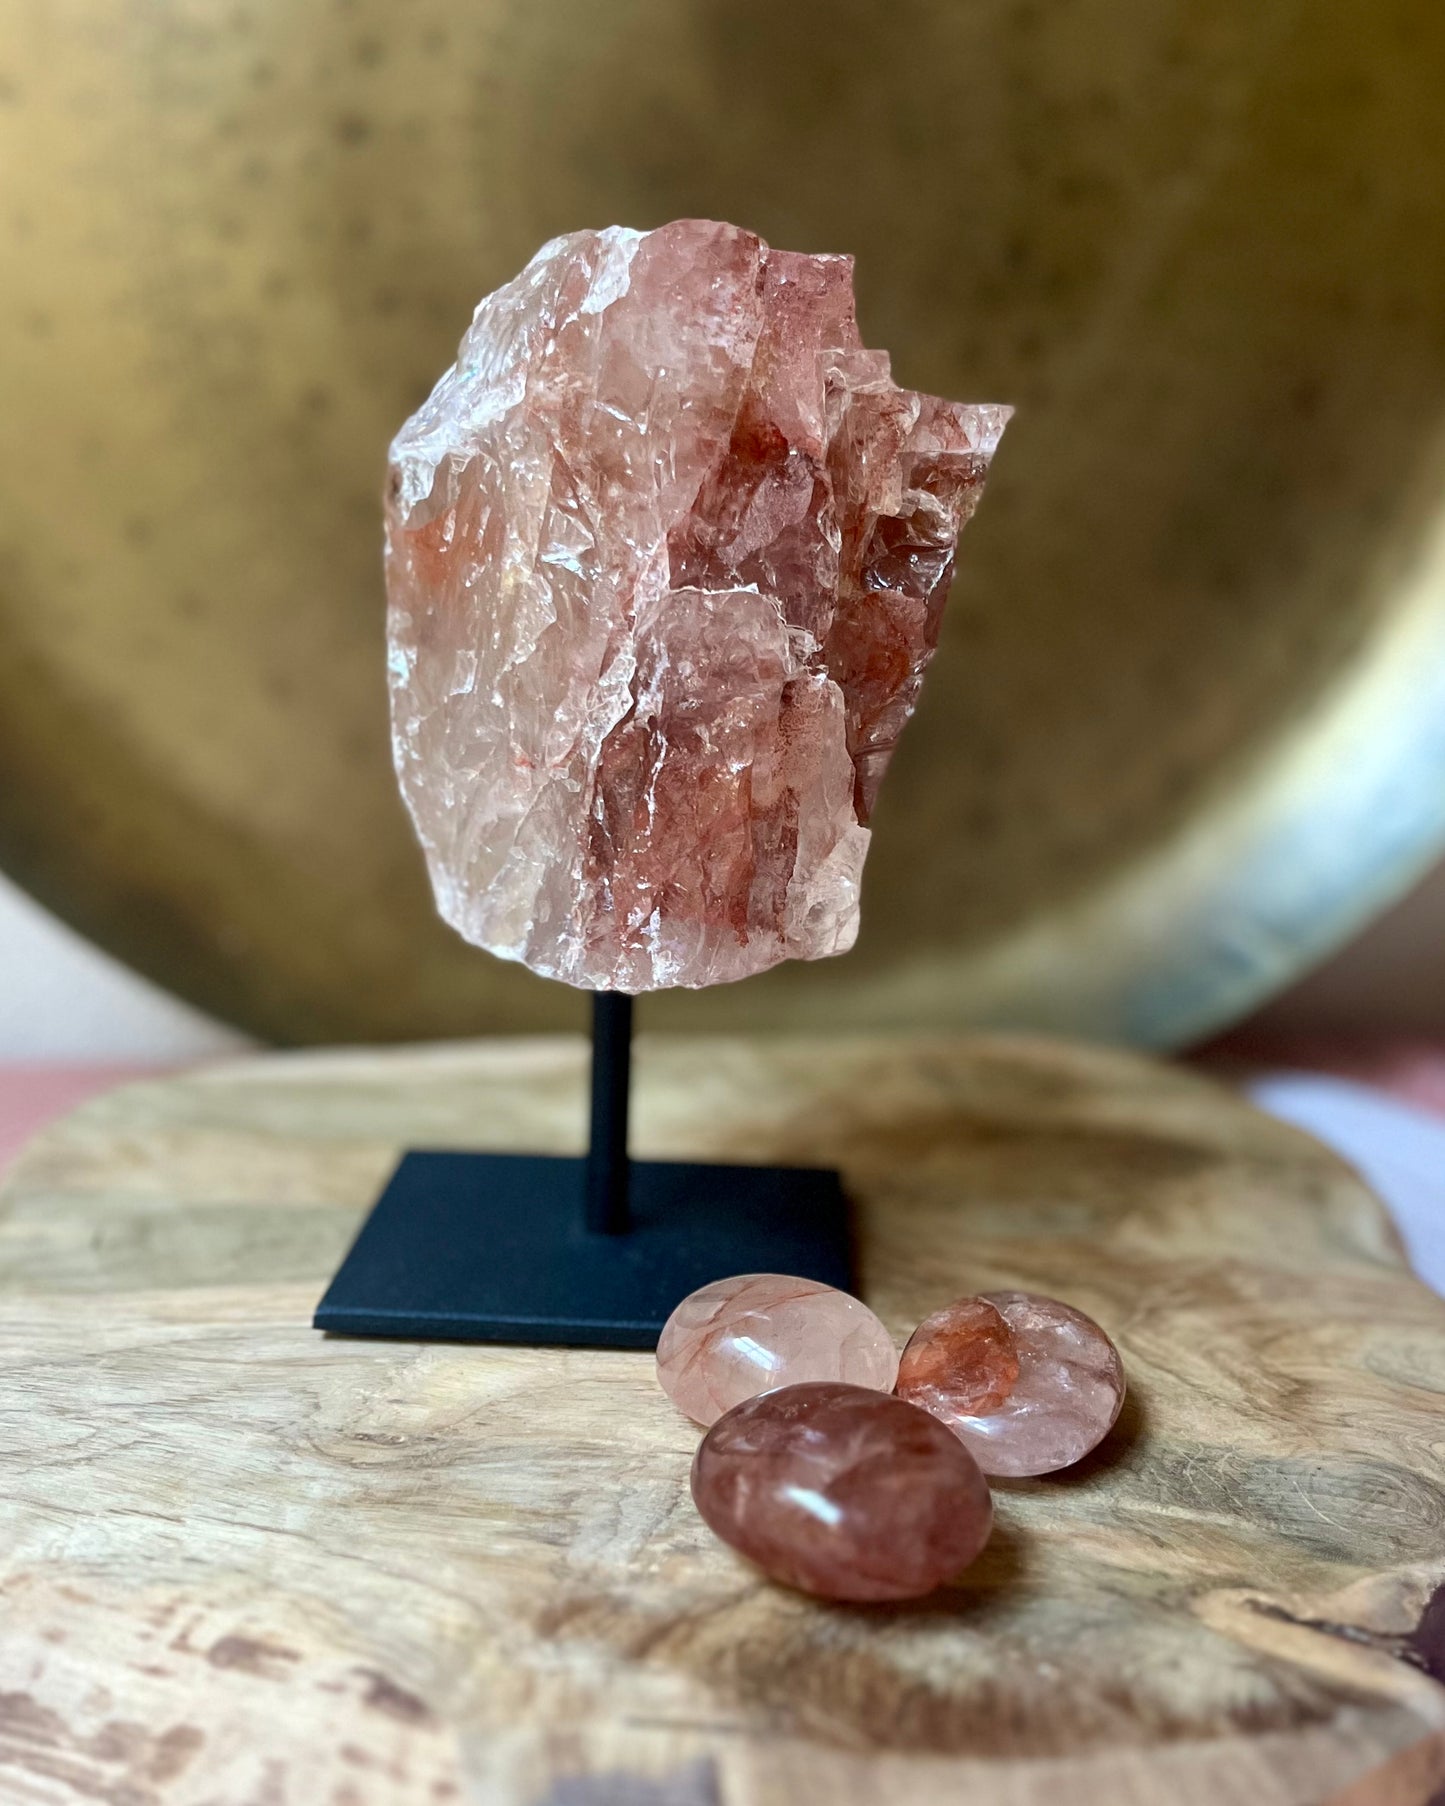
247	1565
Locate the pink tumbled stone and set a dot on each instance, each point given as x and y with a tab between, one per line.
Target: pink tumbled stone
1028	1384
741	1336
843	1492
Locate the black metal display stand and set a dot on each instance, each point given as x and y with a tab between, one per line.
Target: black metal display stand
593	1253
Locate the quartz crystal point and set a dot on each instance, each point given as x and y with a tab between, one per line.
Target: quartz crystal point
737	1337
1027	1383
844	1492
666	555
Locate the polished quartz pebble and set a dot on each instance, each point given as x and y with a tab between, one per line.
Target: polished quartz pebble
1027	1383
843	1492
741	1336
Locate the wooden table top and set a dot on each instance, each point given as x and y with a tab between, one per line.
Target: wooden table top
244	1563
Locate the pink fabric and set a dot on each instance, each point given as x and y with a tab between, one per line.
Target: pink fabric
31	1096
1411	1070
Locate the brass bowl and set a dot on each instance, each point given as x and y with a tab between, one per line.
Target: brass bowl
1187	729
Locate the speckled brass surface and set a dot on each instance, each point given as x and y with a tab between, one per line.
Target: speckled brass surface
1188	724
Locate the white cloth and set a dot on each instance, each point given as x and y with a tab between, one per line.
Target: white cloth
1399	1151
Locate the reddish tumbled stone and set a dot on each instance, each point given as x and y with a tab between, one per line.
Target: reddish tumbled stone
843	1492
1027	1383
753	1333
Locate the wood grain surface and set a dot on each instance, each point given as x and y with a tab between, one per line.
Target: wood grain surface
247	1565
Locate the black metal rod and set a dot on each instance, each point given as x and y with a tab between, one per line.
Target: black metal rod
607	1175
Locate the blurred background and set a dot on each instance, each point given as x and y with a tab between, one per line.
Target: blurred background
1180	763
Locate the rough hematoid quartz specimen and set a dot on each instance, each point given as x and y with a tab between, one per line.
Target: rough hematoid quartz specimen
844	1492
666	555
1027	1383
737	1337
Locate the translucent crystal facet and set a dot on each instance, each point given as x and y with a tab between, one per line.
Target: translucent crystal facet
843	1492
666	554
737	1337
1027	1383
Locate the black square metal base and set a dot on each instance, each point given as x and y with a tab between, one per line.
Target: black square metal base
491	1248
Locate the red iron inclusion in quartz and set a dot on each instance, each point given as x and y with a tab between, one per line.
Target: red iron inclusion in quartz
737	1337
844	1492
666	553
1027	1383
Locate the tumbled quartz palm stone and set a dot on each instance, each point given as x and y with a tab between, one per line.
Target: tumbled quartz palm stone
741	1336
843	1492
667	551
1027	1383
